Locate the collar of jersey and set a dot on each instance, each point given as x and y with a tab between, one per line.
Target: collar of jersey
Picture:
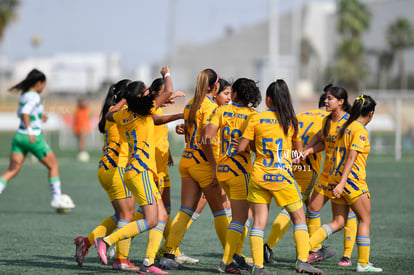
238	105
211	99
271	110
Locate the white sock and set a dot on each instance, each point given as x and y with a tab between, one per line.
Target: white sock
2	186
55	188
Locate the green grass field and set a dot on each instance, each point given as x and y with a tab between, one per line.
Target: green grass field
37	240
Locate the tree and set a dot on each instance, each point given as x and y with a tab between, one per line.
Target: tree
400	36
307	51
7	14
353	19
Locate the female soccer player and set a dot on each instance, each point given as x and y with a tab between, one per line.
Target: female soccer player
111	176
305	173
337	103
348	179
137	122
197	168
233	170
29	137
273	132
222	97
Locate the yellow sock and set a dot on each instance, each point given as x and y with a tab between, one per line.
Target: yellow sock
154	241
256	246
105	228
233	237
279	228
301	237
350	231
122	247
221	223
246	228
178	229
323	233
313	220
364	245
194	217
130	230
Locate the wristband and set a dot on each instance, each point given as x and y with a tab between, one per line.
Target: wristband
167	74
29	131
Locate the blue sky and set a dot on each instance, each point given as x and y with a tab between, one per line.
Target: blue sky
137	29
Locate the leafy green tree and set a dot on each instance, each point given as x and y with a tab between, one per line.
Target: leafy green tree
353	19
7	14
400	36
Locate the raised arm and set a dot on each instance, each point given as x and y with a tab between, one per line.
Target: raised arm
116	108
168	90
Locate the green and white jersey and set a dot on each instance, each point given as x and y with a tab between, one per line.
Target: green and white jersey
29	103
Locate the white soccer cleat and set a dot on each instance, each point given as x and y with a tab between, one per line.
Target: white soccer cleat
368	268
65	202
184	259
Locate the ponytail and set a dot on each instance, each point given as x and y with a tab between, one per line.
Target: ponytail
363	105
205	82
114	95
31	79
278	92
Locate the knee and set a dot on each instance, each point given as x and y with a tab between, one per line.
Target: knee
152	221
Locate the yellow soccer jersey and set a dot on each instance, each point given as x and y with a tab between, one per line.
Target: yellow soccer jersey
161	146
309	123
193	153
139	131
272	167
330	141
354	138
232	120
115	149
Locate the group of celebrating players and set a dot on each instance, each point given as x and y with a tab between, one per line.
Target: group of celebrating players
221	129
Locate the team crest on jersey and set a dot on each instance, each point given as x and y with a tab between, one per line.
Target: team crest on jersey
363	138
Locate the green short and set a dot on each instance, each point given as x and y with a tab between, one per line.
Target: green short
21	145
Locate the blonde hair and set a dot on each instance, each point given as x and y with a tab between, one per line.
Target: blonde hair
205	83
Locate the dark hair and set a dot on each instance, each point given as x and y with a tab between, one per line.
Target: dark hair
137	102
278	92
247	92
114	95
31	79
205	82
339	93
156	85
223	85
363	105
322	100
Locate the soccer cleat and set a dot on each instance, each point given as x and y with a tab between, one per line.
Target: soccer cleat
160	253
268	255
82	249
124	265
261	271
322	254
101	247
345	261
111	254
168	262
249	260
241	263
143	269
231	268
184	259
64	202
368	268
305	267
